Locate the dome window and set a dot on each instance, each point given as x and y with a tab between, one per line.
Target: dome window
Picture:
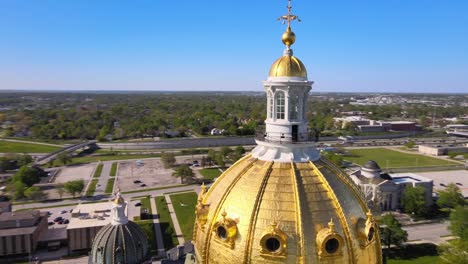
329	243
366	230
332	245
221	232
274	242
226	231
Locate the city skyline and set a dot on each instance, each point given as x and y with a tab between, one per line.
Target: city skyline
186	46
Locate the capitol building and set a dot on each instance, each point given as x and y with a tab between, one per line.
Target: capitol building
281	203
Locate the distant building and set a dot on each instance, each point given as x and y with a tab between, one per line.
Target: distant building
20	231
400	125
439	150
383	191
86	221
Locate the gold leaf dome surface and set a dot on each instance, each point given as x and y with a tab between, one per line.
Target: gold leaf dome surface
270	212
288	66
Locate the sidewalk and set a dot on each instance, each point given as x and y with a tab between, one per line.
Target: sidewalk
157	228
180	236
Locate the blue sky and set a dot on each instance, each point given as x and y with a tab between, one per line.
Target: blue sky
348	46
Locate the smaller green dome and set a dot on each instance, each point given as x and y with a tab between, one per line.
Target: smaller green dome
120	244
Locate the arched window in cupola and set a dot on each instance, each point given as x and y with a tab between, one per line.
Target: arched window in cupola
293	107
280	105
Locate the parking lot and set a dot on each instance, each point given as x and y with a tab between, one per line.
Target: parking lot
145	174
56	212
443	178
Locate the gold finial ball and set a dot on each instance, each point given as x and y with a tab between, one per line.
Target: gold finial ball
288	38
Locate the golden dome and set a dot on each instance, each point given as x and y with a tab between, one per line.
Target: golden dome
288	66
271	212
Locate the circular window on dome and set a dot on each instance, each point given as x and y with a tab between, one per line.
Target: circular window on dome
221	232
370	234
272	244
332	245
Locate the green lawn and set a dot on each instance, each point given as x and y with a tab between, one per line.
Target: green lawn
210	173
98	171
20	147
92	187
113	170
387	158
167	227
110	185
145	203
420	260
184	206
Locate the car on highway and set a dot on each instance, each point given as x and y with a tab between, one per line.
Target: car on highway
137	181
58	219
63	212
142	185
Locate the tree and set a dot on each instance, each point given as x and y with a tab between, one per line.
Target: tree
450	197
414	200
183	171
456	251
74	187
240	150
16	190
23	160
60	189
6	164
64	158
225	151
35	193
27	175
168	159
410	144
391	232
219	159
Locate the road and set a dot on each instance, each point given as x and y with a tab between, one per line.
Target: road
127	197
432	233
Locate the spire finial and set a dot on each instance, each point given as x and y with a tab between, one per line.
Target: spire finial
288	37
289	17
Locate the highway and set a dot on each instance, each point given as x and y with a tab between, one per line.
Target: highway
249	141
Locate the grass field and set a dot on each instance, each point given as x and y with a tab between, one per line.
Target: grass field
210	173
98	171
420	260
110	185
20	147
387	158
167	227
184	206
146	204
92	187
113	170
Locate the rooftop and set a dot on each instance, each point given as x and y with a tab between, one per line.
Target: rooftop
399	178
12	216
92	214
